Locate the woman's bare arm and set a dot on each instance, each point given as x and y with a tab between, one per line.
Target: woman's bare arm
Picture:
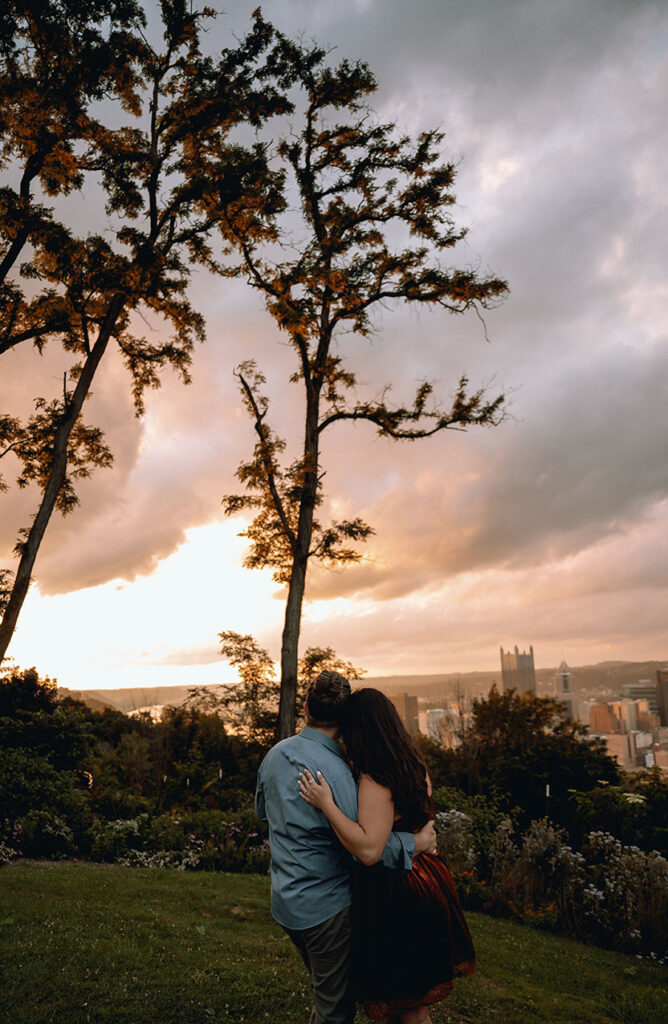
366	837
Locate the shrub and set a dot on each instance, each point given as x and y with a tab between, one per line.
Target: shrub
7	853
204	840
610	894
454	830
48	835
113	840
484	814
625	900
180	860
11	840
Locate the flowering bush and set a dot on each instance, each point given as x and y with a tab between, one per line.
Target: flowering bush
454	831
484	814
610	894
182	860
113	840
205	841
11	835
625	900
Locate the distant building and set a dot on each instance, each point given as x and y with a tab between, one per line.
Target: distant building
662	695
407	706
563	691
435	718
660	752
628	714
647	721
444	725
643	740
517	670
643	689
622	747
602	718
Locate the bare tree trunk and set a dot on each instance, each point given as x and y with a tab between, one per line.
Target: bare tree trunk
287	708
55	481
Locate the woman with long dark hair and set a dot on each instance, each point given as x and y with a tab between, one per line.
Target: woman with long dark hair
410	938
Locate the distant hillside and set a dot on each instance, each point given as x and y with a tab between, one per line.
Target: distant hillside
129	699
88	698
606	676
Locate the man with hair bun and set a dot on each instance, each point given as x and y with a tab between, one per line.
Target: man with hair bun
310	870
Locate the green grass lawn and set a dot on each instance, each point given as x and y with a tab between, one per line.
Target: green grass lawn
86	943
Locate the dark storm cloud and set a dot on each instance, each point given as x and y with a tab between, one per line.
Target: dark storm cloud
586	461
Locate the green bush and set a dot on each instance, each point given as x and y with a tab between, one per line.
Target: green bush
47	835
222	840
112	840
204	840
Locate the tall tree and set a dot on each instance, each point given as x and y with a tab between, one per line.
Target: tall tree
375	217
63	81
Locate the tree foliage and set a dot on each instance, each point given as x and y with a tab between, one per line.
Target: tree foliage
251	705
375	223
87	107
44	746
517	744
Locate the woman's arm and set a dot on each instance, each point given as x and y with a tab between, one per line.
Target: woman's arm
366	837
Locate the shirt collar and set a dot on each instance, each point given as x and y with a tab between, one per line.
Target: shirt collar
320	737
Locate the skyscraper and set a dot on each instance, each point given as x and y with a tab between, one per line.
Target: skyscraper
517	670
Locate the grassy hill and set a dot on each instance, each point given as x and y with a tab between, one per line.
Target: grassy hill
93	944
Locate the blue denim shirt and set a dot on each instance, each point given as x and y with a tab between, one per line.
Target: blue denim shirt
310	870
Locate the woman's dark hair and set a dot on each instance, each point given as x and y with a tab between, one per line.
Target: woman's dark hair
379	745
326	697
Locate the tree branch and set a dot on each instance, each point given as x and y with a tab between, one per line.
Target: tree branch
267	462
385	426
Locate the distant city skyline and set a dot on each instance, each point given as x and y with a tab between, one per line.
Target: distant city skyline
550	530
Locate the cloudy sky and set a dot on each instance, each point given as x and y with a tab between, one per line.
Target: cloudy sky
550	529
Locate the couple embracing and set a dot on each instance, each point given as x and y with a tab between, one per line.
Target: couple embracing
384	926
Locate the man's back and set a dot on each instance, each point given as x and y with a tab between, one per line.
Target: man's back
310	870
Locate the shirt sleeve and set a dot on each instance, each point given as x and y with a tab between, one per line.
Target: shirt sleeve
260	809
400	847
399	850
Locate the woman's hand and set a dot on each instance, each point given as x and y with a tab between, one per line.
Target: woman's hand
316	793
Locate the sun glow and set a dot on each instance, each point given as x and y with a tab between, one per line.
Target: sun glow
155	630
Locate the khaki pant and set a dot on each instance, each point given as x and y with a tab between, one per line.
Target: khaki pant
325	949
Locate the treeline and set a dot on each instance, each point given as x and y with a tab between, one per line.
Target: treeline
63	759
70	776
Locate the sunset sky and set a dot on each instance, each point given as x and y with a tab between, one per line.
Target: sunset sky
549	530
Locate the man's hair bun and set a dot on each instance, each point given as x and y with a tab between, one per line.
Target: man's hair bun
326	697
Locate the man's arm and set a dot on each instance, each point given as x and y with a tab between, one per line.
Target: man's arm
260	808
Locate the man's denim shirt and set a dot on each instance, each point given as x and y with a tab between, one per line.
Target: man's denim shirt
310	870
